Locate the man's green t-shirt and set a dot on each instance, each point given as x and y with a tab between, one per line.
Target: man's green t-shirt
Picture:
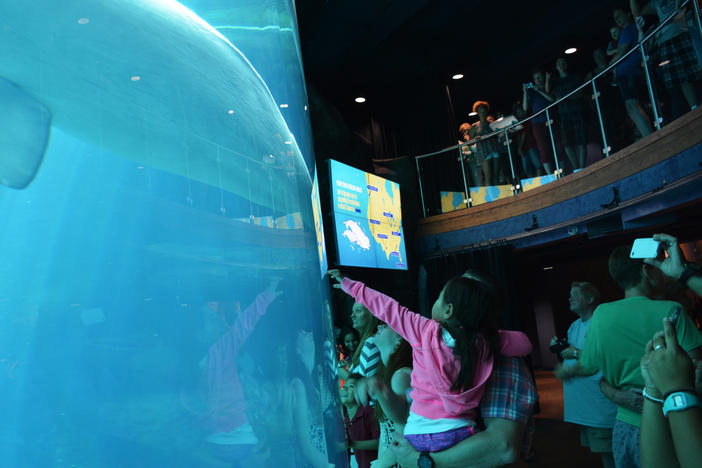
617	339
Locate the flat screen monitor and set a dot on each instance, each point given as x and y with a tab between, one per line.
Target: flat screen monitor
367	219
319	225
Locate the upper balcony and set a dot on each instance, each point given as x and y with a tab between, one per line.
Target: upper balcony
604	165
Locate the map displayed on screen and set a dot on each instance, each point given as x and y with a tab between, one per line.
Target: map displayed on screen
367	219
318	225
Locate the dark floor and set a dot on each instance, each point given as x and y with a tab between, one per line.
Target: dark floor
556	444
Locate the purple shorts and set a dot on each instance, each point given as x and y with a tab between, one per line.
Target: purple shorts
440	441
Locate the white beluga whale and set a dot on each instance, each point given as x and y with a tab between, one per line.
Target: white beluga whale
147	80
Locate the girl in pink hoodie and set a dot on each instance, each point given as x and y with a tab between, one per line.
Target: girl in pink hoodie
453	354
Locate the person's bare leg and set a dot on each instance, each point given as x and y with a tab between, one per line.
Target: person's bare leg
487	172
570	152
476	175
498	170
607	460
638	116
690	93
581	156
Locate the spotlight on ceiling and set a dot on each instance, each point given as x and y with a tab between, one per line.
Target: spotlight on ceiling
360	99
457	76
664	63
571	50
472	114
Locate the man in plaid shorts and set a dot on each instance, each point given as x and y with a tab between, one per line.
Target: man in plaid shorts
506	408
678	61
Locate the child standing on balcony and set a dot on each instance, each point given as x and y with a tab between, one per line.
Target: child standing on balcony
452	353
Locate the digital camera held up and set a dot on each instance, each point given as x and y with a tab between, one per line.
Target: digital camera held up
559	345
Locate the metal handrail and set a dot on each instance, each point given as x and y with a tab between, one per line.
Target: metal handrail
589	82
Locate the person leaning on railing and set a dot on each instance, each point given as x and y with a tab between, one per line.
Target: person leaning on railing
677	56
488	150
526	144
628	72
536	96
570	114
470	157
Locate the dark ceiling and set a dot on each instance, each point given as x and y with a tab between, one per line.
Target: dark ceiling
390	49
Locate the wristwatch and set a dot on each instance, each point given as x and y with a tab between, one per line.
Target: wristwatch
689	270
425	460
677	401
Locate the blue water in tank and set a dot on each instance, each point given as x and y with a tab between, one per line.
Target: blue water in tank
161	303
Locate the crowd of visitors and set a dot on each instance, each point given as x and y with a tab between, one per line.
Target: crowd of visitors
442	380
621	342
453	390
677	50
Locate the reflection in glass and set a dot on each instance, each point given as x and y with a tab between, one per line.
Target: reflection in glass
156	239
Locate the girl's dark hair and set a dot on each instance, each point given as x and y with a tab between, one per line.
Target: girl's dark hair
342	338
476	307
354	376
401	357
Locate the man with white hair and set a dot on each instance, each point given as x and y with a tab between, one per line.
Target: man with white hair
583	402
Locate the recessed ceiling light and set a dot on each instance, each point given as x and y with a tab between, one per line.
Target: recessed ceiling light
136	78
457	76
84	21
571	50
472	114
360	99
664	63
283	106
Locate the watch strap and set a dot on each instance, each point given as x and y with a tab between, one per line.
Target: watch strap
647	396
679	401
690	270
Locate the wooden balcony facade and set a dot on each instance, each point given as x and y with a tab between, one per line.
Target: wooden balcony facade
642	185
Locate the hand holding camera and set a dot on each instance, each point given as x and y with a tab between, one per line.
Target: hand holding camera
558	345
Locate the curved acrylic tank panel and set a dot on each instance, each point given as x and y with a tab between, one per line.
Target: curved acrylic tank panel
160	293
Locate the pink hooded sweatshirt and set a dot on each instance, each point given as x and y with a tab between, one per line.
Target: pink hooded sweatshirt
435	367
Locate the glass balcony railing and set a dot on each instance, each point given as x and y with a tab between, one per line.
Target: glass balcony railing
616	105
